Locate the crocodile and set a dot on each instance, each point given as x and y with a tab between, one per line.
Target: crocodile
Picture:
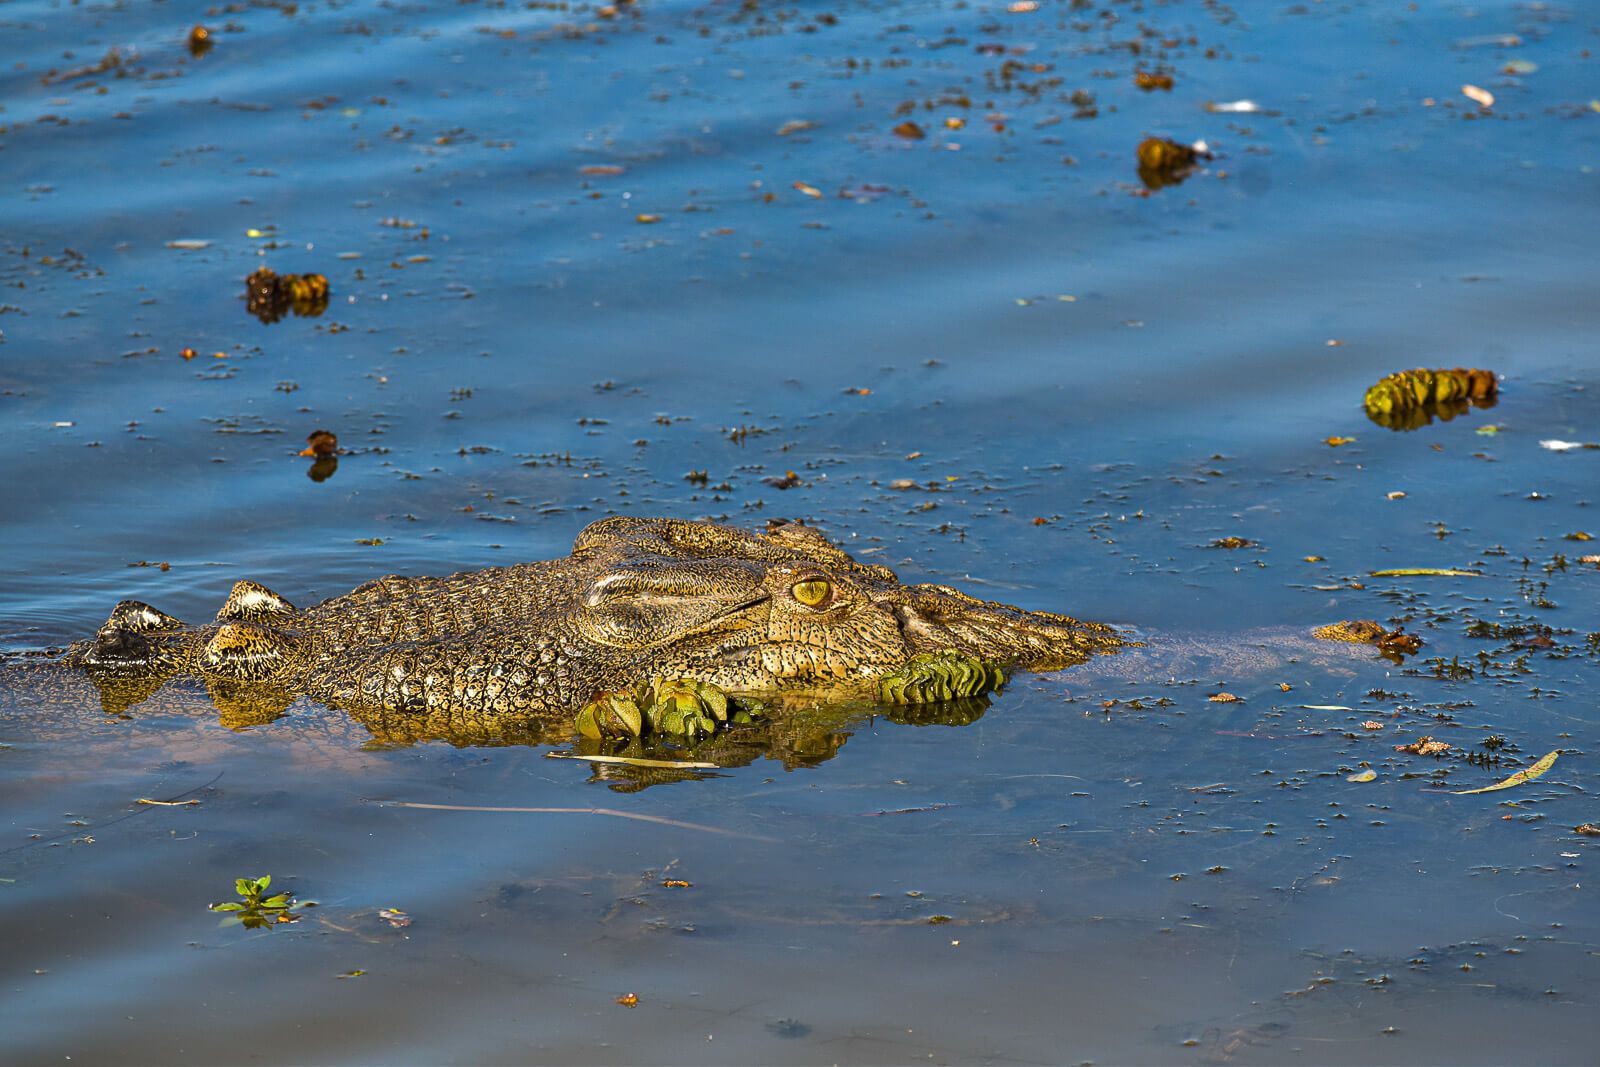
649	625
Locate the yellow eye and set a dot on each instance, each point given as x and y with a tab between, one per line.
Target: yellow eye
813	592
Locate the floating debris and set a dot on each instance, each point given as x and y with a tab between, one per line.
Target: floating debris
325	447
1423	746
1164	162
789	481
1410	399
270	296
1527	774
1366	632
199	41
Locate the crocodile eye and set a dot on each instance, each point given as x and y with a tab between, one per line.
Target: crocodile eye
813	592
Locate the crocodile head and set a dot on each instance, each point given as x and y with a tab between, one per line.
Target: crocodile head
748	612
786	609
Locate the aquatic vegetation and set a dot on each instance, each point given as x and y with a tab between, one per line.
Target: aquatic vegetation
1409	399
270	296
255	910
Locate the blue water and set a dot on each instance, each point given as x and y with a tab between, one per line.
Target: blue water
1191	882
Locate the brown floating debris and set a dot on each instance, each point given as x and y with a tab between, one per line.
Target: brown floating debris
1367	632
789	480
322	443
1164	162
1409	399
269	296
1151	80
200	41
910	131
325	447
1423	746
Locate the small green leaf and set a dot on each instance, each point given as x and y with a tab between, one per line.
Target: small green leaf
230	905
279	900
1527	774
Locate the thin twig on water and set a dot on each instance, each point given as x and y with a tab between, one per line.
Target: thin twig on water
575	811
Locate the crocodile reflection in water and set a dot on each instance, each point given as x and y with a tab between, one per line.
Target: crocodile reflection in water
645	627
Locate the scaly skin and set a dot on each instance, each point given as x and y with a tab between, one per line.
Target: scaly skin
694	610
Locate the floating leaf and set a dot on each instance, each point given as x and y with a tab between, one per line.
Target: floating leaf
629	1000
809	190
794	126
1482	97
1527	774
1407	572
910	131
1368	775
1335	442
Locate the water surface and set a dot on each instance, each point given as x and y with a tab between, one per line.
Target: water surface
1105	865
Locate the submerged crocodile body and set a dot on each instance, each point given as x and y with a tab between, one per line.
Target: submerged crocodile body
705	609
